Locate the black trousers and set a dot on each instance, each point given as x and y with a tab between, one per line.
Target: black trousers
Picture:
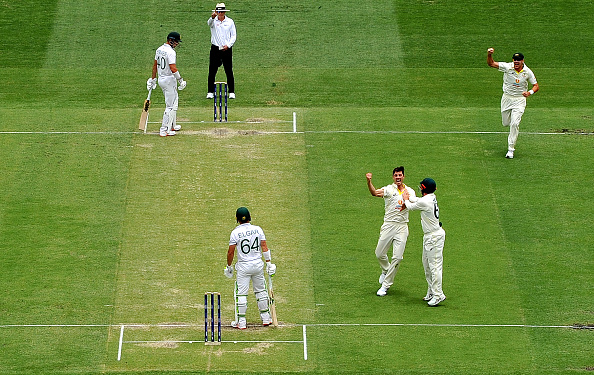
217	58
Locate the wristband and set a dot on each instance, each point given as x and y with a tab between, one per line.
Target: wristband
267	256
177	75
531	92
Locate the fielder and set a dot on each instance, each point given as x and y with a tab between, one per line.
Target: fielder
394	231
516	76
169	77
433	239
250	242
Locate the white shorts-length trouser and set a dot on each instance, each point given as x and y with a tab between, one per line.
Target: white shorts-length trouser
433	261
169	86
393	235
512	109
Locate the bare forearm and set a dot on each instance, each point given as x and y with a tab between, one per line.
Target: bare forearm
492	63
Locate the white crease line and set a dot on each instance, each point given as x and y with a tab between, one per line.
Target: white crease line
190	325
304	343
199	341
121	343
306	131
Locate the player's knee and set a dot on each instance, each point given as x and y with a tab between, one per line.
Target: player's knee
262	298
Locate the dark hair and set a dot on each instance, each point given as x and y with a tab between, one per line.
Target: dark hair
398	169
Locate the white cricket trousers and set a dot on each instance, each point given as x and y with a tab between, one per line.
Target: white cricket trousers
393	235
512	109
169	86
250	271
433	261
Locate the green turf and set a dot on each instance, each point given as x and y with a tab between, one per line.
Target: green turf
106	226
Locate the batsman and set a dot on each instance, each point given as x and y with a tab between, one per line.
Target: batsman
249	242
169	78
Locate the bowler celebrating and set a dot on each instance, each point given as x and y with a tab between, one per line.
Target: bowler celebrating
394	231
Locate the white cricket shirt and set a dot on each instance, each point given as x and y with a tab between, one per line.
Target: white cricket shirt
515	83
165	55
427	204
247	238
222	33
393	202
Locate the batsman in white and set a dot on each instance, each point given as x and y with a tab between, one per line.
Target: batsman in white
249	242
169	77
394	231
516	76
433	239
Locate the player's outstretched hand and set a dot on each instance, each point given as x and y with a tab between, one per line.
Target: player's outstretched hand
228	271
490	51
270	268
368	176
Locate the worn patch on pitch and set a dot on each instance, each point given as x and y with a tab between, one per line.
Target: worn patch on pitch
159	344
260	348
223	132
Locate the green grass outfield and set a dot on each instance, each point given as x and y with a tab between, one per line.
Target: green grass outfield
103	227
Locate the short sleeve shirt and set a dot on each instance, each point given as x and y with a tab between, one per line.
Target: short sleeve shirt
429	212
164	56
393	202
247	238
515	83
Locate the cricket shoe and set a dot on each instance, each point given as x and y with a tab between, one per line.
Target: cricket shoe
436	300
428	296
231	95
241	324
382	291
210	95
168	133
382	278
177	128
509	155
266	320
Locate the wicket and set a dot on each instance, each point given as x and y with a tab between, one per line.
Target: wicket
211	296
219	89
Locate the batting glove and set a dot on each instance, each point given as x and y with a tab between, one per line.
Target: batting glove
151	83
182	84
270	268
228	271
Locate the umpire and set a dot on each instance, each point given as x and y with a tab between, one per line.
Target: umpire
222	38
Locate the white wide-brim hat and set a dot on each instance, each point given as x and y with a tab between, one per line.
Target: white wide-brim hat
220	7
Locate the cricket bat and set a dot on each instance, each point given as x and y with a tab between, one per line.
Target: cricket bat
145	113
272	303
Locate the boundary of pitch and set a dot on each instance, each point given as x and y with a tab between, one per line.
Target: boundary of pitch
121	340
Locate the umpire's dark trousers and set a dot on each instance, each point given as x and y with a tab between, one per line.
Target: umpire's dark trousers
218	57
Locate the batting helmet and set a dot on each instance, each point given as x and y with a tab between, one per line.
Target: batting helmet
243	215
174	35
428	186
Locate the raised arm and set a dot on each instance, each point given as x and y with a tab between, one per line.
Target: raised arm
492	63
375	192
